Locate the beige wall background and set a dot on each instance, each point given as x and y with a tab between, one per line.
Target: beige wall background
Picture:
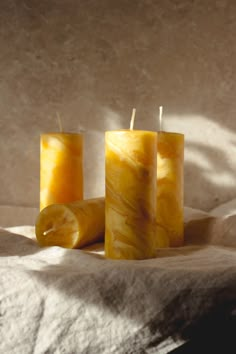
93	61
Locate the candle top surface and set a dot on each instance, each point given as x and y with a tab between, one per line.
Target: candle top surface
131	131
169	133
136	131
61	133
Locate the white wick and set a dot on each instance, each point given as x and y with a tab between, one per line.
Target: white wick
48	231
132	119
59	122
160	118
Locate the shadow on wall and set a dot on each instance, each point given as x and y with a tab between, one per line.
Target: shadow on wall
209	161
94	61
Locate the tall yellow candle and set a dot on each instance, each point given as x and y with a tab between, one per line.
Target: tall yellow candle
61	168
130	201
170	160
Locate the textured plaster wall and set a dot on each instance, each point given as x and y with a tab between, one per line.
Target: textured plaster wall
92	61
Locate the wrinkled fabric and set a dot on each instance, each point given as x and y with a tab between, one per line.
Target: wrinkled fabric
55	300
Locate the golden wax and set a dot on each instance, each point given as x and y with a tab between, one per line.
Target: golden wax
170	163
72	225
61	168
130	201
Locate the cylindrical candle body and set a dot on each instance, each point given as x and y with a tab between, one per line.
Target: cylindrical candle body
170	161
61	168
130	201
72	225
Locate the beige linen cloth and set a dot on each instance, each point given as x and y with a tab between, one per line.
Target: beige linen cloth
55	300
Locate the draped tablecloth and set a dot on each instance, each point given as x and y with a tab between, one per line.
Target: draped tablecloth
55	300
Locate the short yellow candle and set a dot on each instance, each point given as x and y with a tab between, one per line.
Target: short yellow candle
61	168
130	201
170	160
72	225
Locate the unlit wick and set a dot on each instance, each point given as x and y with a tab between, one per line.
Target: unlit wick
132	119
48	231
160	118
59	122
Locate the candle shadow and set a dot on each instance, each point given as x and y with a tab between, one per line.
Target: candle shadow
14	244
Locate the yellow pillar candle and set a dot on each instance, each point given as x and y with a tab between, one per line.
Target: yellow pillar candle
130	201
61	168
170	160
72	225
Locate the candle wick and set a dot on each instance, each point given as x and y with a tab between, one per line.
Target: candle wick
132	119
160	118
48	231
59	121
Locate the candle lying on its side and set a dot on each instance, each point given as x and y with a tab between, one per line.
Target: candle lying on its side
130	202
170	160
61	168
72	225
